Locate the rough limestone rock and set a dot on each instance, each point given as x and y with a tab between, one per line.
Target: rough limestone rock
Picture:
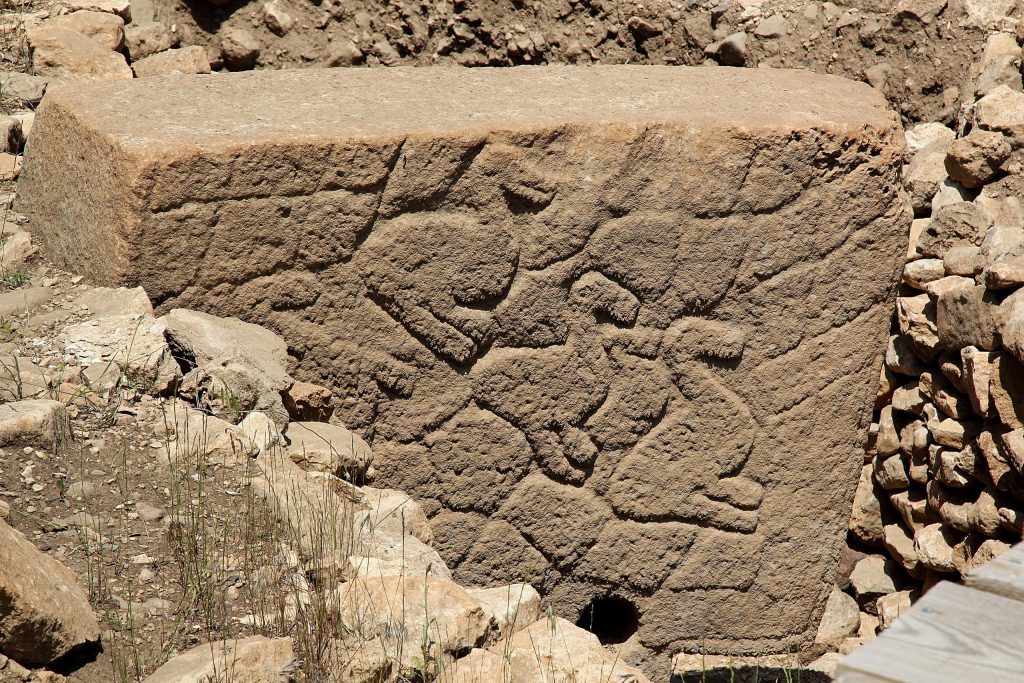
65	55
438	611
129	346
547	650
327	448
42	423
620	325
184	60
44	613
255	659
106	29
237	365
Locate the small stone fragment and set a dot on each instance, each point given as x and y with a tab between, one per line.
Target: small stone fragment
145	39
184	60
891	607
973	160
840	620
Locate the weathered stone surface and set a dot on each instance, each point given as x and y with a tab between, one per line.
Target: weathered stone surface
512	607
604	285
973	160
547	650
238	366
184	60
62	54
255	659
44	613
147	38
840	620
106	29
39	422
402	612
327	448
130	345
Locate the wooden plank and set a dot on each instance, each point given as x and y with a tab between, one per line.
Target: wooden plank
1002	576
953	634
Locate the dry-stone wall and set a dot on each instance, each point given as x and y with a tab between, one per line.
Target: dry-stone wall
941	490
617	328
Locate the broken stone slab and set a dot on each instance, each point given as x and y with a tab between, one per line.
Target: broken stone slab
189	435
147	38
256	659
184	60
105	28
44	613
538	273
328	448
129	346
17	246
238	366
840	620
40	422
393	512
61	54
102	302
19	302
512	607
407	614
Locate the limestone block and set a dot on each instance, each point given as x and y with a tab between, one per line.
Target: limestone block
616	325
44	613
255	659
62	54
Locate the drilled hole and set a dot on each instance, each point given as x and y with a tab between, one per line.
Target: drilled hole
611	618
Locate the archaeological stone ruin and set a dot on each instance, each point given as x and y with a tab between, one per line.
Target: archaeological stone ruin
617	329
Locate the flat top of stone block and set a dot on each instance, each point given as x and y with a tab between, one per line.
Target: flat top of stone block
278	106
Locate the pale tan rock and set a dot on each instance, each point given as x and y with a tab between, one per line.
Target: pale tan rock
190	435
891	607
44	613
236	363
145	39
307	402
871	578
106	29
917	228
239	48
900	545
913	508
978	377
446	615
276	18
66	55
900	357
973	160
934	546
964	261
1007	375
866	518
547	650
10	166
261	431
21	87
917	321
955	223
128	345
925	173
1002	257
887	442
121	8
15	249
840	620
255	659
921	135
40	422
512	607
574	421
1002	110
393	512
999	64
183	60
327	448
102	302
919	273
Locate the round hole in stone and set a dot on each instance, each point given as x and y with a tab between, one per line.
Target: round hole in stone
611	618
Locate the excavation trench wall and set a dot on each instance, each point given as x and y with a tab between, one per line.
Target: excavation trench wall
617	328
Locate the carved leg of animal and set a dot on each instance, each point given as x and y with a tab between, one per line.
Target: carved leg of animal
722	515
740	492
553	458
438	335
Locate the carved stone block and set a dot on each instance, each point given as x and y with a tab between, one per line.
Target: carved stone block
617	328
